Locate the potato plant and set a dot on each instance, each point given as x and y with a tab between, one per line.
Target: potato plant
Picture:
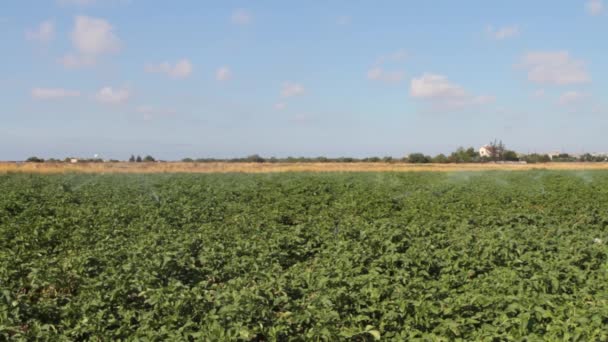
492	256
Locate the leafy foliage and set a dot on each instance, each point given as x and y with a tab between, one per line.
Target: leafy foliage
360	257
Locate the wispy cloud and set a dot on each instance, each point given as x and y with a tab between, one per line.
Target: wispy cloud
343	20
301	119
502	33
53	93
571	97
555	68
280	105
113	96
241	17
151	112
76	2
223	74
394	57
538	93
594	7
44	33
379	74
290	89
84	3
73	61
179	70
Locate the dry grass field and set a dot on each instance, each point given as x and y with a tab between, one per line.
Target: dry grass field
179	167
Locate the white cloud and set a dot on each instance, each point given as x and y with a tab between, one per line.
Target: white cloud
280	106
181	69
554	67
503	32
444	94
379	74
290	89
594	7
241	17
109	95
571	97
53	93
430	86
91	38
223	74
45	32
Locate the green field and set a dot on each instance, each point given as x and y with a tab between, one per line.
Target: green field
492	256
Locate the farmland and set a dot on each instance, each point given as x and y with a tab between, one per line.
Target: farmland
486	256
248	167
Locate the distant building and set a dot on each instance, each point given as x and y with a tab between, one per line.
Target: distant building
486	151
73	160
553	154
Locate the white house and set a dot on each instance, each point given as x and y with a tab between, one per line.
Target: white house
485	151
553	154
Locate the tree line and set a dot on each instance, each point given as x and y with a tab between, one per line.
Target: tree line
497	153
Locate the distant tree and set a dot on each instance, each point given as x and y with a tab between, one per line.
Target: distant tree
564	157
497	150
132	159
440	159
255	159
387	159
417	158
149	159
138	159
187	160
462	155
509	155
588	157
536	158
34	160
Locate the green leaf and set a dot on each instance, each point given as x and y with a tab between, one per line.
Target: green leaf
375	334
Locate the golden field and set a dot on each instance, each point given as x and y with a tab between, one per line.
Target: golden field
223	167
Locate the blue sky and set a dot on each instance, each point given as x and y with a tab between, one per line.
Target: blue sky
335	78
